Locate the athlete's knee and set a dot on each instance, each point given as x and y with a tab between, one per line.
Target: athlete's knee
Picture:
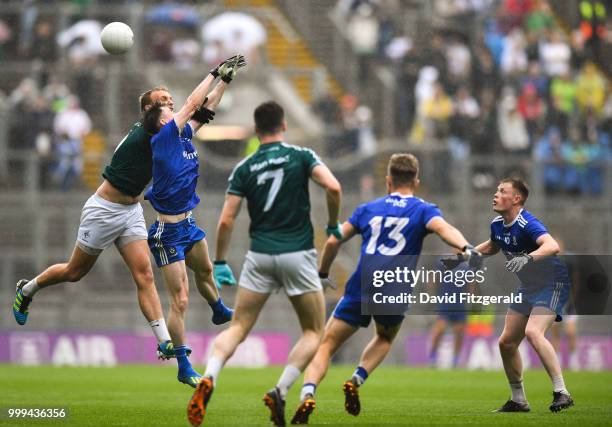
144	277
180	302
533	334
506	344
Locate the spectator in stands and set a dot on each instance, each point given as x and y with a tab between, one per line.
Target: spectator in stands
82	41
576	154
534	77
485	73
437	112
70	127
514	56
362	32
514	12
532	108
548	152
44	47
459	61
590	89
555	54
512	128
540	19
466	111
563	100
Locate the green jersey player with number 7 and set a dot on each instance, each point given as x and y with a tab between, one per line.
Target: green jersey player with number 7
274	181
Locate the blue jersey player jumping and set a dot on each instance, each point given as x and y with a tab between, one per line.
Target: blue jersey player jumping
392	225
174	239
545	286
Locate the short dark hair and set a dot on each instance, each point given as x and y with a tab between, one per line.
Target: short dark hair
150	118
519	185
269	118
403	168
145	99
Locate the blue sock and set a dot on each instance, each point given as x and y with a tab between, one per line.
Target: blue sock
181	358
433	356
218	306
360	375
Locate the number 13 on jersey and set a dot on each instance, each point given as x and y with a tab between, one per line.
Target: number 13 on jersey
396	225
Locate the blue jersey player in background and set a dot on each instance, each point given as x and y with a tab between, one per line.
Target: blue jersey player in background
545	286
174	239
453	314
393	225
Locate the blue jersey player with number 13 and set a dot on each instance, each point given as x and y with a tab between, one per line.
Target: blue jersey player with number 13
393	225
531	253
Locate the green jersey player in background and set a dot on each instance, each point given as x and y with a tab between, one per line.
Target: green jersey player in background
274	181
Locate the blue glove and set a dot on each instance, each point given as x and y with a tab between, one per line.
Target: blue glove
223	274
334	231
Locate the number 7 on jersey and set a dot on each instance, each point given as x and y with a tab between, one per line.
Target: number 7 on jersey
277	178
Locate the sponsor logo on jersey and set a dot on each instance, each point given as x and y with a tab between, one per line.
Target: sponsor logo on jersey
276	161
190	156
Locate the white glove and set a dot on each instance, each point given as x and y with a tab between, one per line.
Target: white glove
517	263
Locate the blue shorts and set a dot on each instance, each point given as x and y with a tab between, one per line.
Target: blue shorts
452	316
554	297
350	312
169	242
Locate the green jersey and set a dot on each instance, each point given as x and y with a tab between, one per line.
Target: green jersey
274	180
131	167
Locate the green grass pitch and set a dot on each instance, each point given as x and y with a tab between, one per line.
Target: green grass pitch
151	396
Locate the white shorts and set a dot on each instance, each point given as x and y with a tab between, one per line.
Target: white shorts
104	223
295	272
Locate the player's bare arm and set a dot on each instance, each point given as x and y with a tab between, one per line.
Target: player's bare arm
230	211
324	177
332	245
449	234
488	248
193	102
548	246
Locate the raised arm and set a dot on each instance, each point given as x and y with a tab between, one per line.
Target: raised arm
193	102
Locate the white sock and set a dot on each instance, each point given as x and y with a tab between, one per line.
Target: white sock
306	390
160	330
286	380
559	384
518	392
30	288
213	367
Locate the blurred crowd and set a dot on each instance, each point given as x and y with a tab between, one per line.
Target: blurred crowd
48	120
497	77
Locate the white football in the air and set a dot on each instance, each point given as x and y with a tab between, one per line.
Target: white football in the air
117	38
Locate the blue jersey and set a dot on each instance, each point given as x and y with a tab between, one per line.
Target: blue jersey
389	226
520	236
175	170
